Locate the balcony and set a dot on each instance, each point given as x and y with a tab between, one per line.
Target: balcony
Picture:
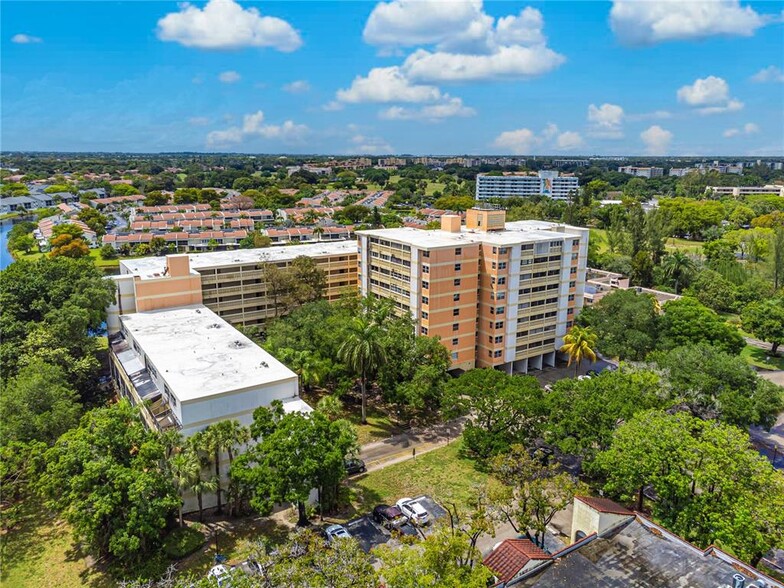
135	382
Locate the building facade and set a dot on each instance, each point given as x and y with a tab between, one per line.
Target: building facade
642	172
737	191
498	294
546	183
230	283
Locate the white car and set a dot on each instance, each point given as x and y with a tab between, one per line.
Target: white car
336	532
415	512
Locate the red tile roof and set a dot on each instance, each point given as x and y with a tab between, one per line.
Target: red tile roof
604	505
511	556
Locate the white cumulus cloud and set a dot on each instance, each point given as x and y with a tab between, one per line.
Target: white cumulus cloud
606	121
656	139
711	95
387	84
297	87
771	73
517	142
224	24
288	133
458	42
747	129
513	61
637	22
364	145
569	141
229	77
525	141
23	39
452	107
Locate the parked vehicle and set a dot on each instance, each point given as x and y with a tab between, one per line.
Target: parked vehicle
354	465
390	517
334	532
414	511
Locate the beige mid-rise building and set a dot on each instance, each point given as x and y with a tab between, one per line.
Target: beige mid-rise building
498	294
230	283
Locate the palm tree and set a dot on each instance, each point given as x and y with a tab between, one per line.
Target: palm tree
185	469
579	344
677	267
199	487
362	352
310	368
318	230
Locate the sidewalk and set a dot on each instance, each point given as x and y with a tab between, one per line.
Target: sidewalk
401	447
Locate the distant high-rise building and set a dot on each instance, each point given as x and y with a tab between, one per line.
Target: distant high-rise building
642	172
547	183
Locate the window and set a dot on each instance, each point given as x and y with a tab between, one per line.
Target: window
572	284
499	325
569	311
499	310
499	339
425	300
425	315
458	267
455	312
500	295
459	251
425	269
524	262
497	353
495	249
455	341
425	254
425	285
501	281
571	297
423	330
502	251
456	327
501	265
493	265
555	243
455	297
573	271
454	356
569	324
457	281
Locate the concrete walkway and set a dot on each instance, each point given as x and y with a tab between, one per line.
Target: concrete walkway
401	447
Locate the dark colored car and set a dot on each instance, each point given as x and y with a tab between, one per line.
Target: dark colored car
390	517
354	465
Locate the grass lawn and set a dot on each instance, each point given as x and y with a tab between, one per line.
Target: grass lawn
379	424
442	473
672	243
433	187
40	552
95	255
756	357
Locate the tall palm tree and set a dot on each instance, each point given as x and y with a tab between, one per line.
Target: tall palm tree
579	344
318	230
210	441
362	352
678	267
185	469
199	487
197	445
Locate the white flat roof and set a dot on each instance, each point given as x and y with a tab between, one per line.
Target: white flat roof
148	266
199	354
527	231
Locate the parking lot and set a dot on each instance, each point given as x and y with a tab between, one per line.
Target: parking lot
370	534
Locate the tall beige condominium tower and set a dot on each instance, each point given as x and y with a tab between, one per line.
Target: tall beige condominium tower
498	294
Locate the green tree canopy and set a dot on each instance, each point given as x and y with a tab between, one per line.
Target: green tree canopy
107	480
502	410
626	324
687	322
765	320
712	486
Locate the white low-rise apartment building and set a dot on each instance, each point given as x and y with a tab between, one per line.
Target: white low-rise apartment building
547	183
642	172
737	191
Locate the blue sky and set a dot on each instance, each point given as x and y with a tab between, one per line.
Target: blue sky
403	76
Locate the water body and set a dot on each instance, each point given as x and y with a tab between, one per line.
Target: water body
5	256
